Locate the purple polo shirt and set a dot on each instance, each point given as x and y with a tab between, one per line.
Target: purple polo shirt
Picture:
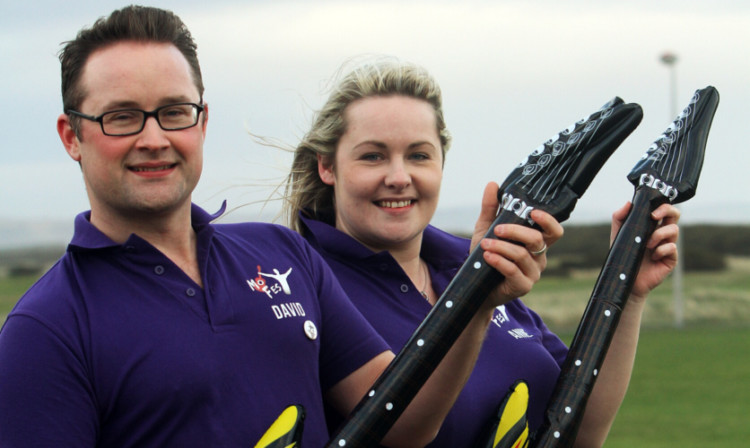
518	344
115	346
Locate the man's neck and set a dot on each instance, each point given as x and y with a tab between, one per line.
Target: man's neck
171	233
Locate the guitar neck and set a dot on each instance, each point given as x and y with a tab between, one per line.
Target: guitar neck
598	324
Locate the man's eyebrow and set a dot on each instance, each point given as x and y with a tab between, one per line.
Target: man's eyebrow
129	104
113	105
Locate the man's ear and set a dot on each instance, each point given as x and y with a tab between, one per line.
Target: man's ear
325	170
68	137
204	118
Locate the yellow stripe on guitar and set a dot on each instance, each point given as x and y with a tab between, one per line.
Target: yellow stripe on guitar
285	431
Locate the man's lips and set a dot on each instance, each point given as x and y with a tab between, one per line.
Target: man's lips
152	168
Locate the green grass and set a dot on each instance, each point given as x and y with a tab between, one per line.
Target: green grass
11	289
690	386
717	298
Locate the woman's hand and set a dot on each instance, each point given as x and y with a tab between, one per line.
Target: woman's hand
661	250
520	253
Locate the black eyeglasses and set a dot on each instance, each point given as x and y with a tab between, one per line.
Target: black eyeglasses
121	122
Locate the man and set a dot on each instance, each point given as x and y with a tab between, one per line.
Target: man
157	328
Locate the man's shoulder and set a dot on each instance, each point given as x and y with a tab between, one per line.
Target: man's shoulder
261	236
256	230
50	292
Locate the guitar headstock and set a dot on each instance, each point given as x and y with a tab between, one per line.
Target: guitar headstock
557	173
672	164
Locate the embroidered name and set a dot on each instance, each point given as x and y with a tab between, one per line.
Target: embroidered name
286	310
519	333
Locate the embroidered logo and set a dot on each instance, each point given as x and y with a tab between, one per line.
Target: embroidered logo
500	317
519	333
260	283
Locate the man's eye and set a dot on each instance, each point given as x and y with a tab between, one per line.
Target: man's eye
121	117
176	111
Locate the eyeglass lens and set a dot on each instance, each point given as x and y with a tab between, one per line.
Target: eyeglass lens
171	117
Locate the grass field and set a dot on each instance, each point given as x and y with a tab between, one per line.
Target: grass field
690	387
11	289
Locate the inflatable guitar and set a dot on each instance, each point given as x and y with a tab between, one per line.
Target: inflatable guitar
552	178
667	172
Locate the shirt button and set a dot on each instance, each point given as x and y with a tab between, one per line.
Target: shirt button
404	288
159	270
190	292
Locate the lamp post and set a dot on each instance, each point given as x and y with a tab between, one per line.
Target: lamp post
670	59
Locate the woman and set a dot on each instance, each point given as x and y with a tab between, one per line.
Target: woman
363	188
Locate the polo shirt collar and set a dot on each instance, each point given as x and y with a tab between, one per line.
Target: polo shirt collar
87	236
329	239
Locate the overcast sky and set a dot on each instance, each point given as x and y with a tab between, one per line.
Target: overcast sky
513	73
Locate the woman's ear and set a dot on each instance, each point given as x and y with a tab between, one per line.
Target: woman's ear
325	170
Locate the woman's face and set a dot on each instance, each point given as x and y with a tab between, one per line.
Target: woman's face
387	171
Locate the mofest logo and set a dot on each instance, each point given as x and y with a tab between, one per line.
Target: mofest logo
278	285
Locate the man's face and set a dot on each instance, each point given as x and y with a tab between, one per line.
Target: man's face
154	171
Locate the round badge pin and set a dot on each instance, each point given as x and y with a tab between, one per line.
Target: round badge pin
311	331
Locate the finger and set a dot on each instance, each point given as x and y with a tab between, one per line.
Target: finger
538	252
490	204
668	233
665	253
516	254
526	237
621	213
666	213
487	214
517	282
552	230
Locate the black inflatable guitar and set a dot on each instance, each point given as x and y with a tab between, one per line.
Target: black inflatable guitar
552	178
667	172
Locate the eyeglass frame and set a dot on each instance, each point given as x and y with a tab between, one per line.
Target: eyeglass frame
146	114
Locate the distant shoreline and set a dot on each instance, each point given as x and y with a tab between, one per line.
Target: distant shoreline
23	233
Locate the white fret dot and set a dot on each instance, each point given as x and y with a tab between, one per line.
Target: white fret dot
420	342
607	313
638	240
449	304
623	276
578	362
389	406
477	265
372	393
568	410
557	434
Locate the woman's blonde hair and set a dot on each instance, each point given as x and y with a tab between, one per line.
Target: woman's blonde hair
305	191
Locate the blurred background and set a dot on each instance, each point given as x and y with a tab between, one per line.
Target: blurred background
513	74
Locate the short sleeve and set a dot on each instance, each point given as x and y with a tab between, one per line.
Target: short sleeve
348	341
45	397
